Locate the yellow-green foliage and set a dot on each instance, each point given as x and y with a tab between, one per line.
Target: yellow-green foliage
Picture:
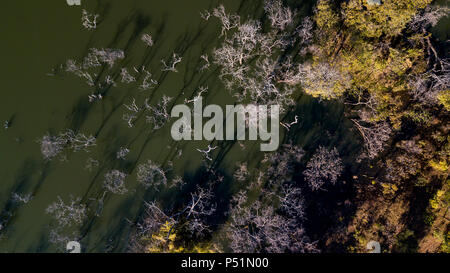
326	17
389	189
376	67
444	99
162	242
382	72
435	202
441	166
369	45
325	81
419	116
388	18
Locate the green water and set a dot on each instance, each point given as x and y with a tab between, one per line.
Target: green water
39	36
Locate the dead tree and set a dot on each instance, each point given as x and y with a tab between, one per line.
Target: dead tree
115	182
324	166
150	174
67	214
375	136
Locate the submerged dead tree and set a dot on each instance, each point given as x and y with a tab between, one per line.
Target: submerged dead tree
67	214
250	59
150	174
324	166
54	145
115	182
